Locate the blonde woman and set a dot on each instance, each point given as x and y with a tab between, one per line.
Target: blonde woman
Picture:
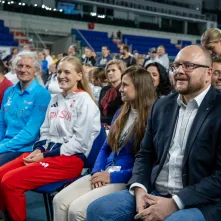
211	40
71	124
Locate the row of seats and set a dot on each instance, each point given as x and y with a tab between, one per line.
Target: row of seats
1	23
96	40
141	43
8	43
6	39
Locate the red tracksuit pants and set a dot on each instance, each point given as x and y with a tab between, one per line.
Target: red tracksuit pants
16	178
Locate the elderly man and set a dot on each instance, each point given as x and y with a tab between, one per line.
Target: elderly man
177	172
216	76
23	110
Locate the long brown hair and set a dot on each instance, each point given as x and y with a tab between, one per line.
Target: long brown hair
145	96
83	83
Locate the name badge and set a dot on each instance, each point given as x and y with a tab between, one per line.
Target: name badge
111	169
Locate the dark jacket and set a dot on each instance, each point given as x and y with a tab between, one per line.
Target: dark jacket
102	62
112	106
201	171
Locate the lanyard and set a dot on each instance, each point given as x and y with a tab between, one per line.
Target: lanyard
120	143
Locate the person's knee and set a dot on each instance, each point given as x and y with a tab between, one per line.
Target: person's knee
76	213
59	202
7	181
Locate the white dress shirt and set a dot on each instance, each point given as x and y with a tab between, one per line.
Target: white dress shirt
169	180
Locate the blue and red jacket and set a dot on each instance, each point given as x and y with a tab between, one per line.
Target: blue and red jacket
125	159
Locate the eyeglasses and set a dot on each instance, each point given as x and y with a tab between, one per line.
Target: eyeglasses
186	66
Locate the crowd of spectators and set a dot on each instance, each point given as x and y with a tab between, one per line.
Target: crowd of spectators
50	118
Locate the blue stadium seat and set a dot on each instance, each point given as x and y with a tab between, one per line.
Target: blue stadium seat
49	189
96	39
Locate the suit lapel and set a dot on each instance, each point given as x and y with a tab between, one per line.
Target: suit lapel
170	123
201	115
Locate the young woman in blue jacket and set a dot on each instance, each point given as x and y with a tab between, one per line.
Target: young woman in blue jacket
113	167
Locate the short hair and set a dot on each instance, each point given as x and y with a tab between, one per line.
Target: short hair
88	48
216	59
88	65
105	47
120	64
74	47
99	76
46	50
32	55
2	67
125	47
161	46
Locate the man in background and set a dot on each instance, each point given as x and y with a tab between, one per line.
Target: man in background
216	76
106	57
89	58
126	57
151	58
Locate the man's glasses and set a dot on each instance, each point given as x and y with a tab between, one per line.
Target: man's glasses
186	66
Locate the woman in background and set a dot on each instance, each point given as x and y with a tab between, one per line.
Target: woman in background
111	101
211	40
160	78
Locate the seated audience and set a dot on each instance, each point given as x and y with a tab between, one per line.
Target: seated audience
89	58
71	124
177	172
211	40
8	58
216	76
152	57
44	66
106	57
11	75
95	85
113	167
52	84
87	68
111	101
4	82
73	51
23	109
160	78
48	57
126	57
163	57
99	78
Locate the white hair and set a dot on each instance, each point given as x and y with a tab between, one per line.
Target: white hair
30	54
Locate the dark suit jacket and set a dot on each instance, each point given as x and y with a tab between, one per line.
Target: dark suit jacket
201	170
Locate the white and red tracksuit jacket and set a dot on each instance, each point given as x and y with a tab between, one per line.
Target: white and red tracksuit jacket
71	125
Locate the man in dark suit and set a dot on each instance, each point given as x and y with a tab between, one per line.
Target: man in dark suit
177	173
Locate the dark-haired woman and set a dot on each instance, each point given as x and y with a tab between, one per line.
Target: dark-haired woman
160	78
113	167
